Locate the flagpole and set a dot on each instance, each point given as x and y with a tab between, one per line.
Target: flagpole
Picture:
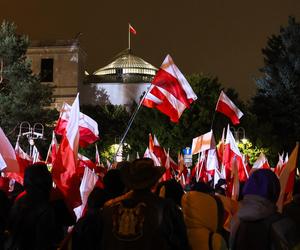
129	36
131	121
212	122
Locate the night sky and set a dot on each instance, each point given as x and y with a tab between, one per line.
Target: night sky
220	38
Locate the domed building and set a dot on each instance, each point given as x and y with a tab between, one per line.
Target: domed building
121	82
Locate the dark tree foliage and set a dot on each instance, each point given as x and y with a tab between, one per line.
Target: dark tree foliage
112	121
277	101
22	96
194	121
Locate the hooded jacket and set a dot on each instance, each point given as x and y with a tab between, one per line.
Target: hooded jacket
203	218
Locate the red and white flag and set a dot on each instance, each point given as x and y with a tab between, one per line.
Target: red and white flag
52	151
203	142
97	156
231	156
261	162
64	167
228	108
87	185
8	154
170	92
88	128
36	156
168	173
287	179
131	29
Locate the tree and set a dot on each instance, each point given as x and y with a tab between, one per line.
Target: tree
22	96
194	121
277	101
112	121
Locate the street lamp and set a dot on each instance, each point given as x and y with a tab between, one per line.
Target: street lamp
31	132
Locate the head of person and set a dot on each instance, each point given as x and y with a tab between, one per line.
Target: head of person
263	183
96	199
171	189
113	183
141	174
38	181
203	187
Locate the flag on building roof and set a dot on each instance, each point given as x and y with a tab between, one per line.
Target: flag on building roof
170	92
131	29
228	108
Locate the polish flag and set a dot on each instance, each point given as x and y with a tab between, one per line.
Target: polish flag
8	154
149	154
36	156
87	185
287	179
170	92
232	155
212	162
97	157
52	151
168	173
23	158
261	162
203	142
131	29
157	150
228	108
64	167
220	147
88	128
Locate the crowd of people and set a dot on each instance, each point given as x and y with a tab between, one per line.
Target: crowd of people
135	210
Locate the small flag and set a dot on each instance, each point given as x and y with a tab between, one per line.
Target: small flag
132	30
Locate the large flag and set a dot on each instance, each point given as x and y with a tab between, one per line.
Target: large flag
203	142
64	167
228	108
88	128
8	154
287	179
170	92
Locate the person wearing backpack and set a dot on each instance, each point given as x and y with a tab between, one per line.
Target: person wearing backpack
257	224
203	216
143	220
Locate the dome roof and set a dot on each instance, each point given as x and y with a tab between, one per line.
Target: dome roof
128	67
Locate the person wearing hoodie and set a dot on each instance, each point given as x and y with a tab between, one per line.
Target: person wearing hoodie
203	216
257	224
32	224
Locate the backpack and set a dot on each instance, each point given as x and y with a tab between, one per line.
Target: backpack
132	224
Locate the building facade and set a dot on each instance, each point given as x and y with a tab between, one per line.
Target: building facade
60	63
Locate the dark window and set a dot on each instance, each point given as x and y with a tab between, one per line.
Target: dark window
47	70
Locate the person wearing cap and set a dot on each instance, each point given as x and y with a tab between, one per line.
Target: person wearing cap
143	220
257	224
